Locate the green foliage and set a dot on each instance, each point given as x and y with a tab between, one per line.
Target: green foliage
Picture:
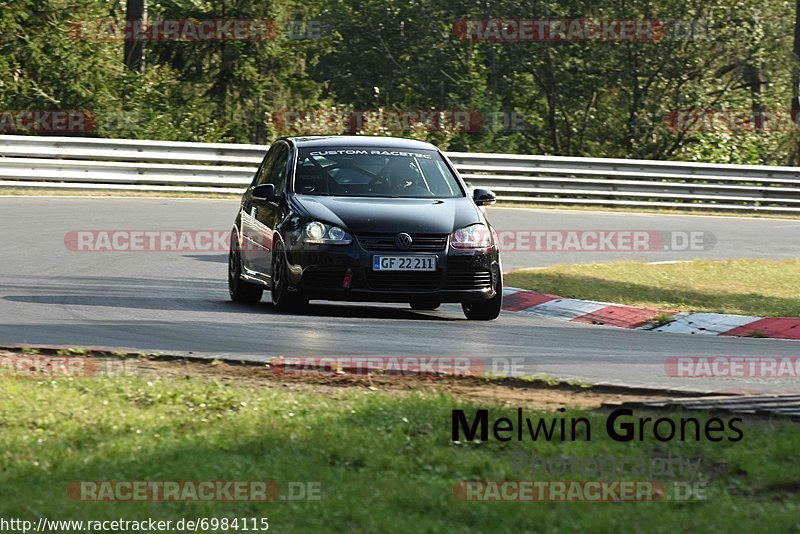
585	98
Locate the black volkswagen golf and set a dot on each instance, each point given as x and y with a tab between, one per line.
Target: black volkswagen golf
357	218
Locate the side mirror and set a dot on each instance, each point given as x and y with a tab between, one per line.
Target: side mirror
483	197
265	193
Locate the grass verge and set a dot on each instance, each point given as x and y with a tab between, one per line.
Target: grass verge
383	455
769	288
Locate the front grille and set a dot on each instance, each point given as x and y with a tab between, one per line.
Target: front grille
404	281
419	242
462	274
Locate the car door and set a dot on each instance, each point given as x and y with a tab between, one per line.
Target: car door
260	219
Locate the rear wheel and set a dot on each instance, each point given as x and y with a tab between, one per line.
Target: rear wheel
422	306
282	299
240	290
487	310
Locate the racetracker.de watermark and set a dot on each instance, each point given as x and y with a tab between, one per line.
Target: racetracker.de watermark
545	30
50	367
193	491
621	241
430	120
38	366
625	241
403	366
733	367
335	121
732	120
196	30
520	30
47	121
563	491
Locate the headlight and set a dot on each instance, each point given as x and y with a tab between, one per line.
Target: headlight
318	233
336	233
315	231
471	237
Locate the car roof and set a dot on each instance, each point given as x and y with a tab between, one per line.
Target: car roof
358	141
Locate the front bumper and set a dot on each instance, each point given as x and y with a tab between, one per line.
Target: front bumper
321	272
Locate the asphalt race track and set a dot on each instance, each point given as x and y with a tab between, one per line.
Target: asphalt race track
178	302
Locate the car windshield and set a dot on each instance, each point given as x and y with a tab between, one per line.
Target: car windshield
374	172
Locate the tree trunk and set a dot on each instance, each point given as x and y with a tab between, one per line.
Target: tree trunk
796	76
134	48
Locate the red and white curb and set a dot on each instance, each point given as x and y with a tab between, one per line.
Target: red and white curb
539	304
712	324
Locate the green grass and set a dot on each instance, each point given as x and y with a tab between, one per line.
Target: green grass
385	460
746	287
72	351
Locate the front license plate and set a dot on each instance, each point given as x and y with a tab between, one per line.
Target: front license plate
404	263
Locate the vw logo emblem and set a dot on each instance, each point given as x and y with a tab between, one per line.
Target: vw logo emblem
403	241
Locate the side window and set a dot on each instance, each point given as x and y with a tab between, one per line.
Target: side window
277	168
261	176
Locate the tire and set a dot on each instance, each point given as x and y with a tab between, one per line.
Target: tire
282	299
423	306
240	290
487	310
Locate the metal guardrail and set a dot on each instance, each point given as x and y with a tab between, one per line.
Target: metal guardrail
128	165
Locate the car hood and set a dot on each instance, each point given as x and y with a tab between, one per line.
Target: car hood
392	215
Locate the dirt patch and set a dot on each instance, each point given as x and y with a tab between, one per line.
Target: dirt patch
76	363
517	393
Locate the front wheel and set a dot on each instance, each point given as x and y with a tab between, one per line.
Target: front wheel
240	290
282	299
487	310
